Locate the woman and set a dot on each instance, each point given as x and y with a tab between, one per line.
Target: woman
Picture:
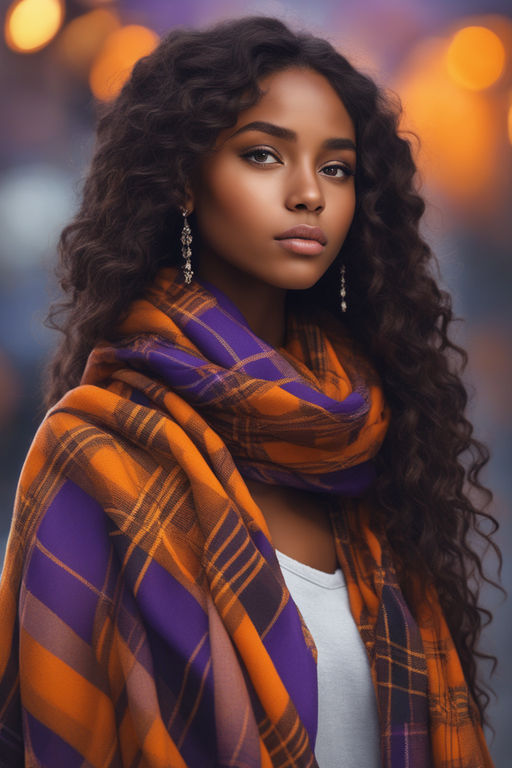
241	534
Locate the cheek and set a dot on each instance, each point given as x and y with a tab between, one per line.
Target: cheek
347	207
352	210
235	197
340	205
226	217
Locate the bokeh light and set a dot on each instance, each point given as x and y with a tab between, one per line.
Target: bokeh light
475	57
38	193
31	24
82	39
458	128
114	62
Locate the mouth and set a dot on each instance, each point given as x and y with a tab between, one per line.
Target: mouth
301	245
304	233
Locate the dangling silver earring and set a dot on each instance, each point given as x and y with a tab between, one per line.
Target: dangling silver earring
343	289
186	251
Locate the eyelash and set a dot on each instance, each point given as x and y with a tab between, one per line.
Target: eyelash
347	170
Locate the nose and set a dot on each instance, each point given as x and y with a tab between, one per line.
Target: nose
304	191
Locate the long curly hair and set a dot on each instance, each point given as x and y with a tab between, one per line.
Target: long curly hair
150	141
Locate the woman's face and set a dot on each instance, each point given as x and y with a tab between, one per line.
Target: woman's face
295	167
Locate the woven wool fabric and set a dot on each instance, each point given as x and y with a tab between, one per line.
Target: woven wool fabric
145	619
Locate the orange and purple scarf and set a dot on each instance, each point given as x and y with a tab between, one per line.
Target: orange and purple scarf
145	621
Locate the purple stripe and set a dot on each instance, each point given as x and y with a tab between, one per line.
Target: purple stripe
178	369
62	593
222	300
163	359
263	545
184	370
242	341
74	529
264	368
200	744
139	398
208	330
409	749
295	665
48	747
188	378
164	603
174	357
351	404
292	658
181	369
176	624
353	481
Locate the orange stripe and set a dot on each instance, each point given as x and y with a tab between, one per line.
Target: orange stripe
8	607
66	703
118	467
115	668
160	748
157	745
127	739
266	760
269	686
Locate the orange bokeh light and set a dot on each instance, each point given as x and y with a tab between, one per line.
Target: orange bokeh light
458	130
475	57
31	24
114	63
84	36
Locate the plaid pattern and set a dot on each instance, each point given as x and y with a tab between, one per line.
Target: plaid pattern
427	716
145	620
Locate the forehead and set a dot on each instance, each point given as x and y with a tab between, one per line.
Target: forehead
300	99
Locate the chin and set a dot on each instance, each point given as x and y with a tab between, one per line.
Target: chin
300	282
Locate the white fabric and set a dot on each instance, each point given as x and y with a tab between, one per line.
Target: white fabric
348	729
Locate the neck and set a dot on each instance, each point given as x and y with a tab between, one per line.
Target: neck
262	305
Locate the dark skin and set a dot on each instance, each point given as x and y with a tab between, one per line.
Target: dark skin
254	186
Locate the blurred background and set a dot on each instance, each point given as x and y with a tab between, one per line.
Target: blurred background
451	65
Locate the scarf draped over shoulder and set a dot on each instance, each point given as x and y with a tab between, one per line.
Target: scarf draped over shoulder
145	619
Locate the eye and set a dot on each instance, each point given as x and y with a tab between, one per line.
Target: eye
258	153
263	156
346	171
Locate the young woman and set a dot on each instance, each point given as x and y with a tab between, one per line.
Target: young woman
242	533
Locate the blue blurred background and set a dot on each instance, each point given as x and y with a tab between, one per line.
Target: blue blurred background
451	65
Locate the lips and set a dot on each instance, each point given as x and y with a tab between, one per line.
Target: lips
304	232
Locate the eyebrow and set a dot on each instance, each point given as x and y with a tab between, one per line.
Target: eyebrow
289	135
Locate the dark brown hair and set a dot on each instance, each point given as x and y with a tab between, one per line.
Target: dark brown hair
151	139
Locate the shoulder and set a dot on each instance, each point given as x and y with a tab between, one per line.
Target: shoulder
77	461
70	553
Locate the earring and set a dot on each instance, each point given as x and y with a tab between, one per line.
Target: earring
343	289
186	251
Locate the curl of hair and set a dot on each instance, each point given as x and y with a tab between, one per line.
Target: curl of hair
150	142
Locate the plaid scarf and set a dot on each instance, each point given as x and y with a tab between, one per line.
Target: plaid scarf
145	619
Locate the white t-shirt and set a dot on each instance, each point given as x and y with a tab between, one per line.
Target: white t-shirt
348	728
